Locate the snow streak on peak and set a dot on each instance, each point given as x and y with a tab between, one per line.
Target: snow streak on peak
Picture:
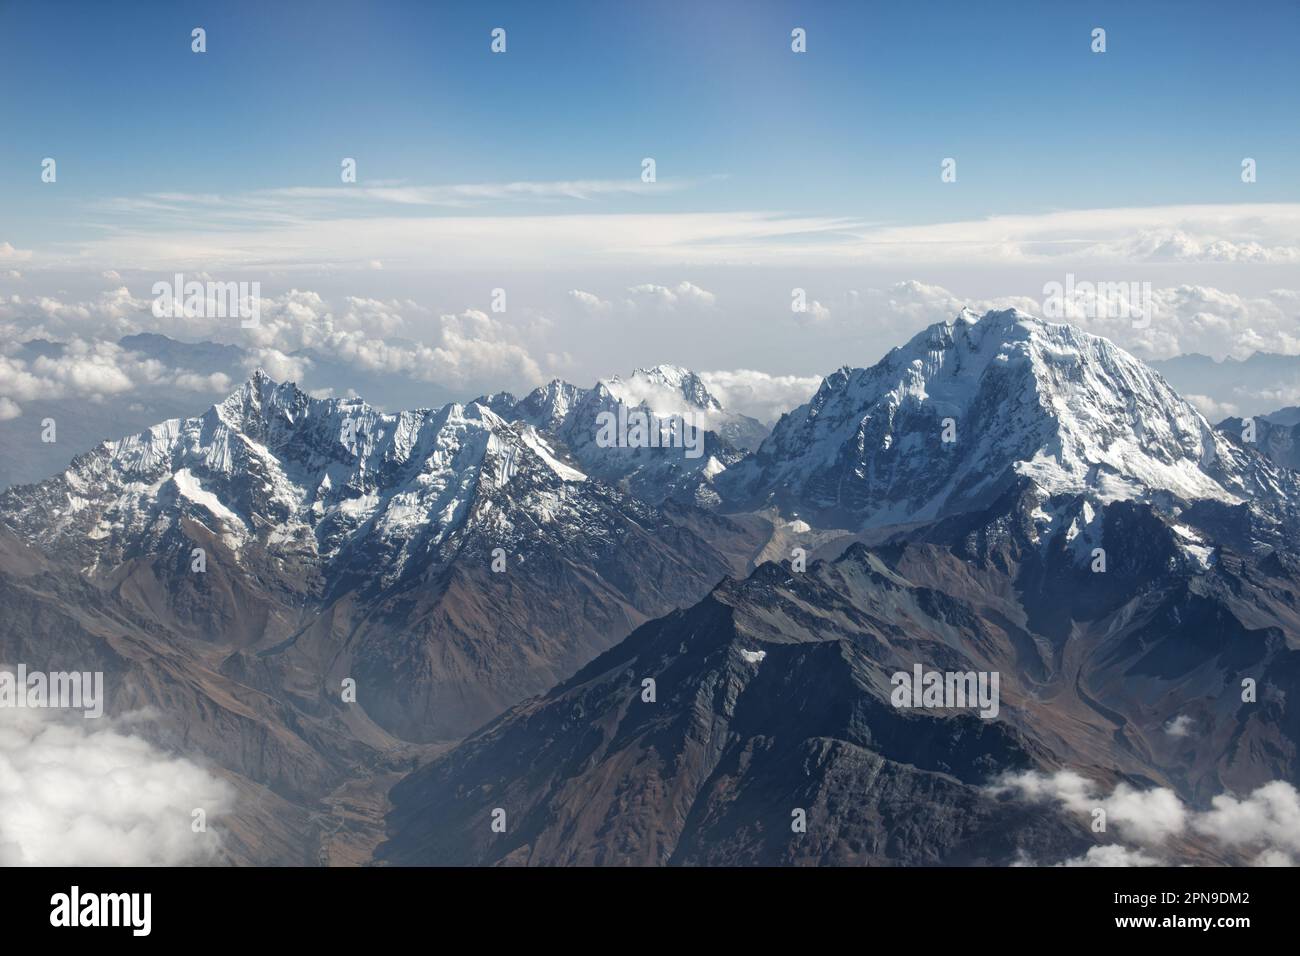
272	467
945	422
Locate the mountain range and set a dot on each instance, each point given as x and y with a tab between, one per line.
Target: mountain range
640	657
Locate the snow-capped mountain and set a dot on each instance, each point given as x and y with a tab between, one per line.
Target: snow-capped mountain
774	693
451	558
950	420
673	390
573	415
272	468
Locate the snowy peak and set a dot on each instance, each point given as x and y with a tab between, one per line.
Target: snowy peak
272	469
548	405
665	389
672	396
948	421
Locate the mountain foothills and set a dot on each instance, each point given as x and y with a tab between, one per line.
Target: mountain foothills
448	562
657	657
1017	498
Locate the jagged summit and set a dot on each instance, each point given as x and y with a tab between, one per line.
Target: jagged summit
572	415
450	560
273	468
667	389
949	420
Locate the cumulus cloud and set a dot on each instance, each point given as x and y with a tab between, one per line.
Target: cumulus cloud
375	335
218	382
1112	854
589	301
759	394
474	350
281	367
1180	726
112	313
682	294
1181	319
1268	819
91	370
77	792
1192	318
1263	827
395	336
1214	411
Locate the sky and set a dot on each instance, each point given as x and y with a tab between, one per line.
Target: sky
777	174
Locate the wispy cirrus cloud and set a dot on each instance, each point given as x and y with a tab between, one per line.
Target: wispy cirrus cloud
299	203
466	226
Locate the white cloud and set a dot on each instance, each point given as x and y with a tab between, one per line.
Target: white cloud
1112	854
1229	232
281	367
1185	318
1212	410
1265	824
1191	318
1268	818
396	336
92	370
589	301
682	294
213	382
76	792
760	394
1180	726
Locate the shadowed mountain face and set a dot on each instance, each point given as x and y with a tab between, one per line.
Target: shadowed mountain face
1276	435
1084	535
446	560
773	695
319	599
232	571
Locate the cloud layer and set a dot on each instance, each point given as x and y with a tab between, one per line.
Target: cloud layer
1262	828
76	792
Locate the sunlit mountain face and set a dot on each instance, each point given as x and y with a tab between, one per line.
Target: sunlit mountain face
672	435
648	657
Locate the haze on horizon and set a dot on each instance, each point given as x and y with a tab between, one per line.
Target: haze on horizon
779	177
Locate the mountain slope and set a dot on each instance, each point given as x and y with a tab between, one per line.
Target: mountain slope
773	695
1276	436
573	417
952	419
1087	537
448	558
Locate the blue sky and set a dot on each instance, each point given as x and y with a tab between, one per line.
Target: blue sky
855	127
776	171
